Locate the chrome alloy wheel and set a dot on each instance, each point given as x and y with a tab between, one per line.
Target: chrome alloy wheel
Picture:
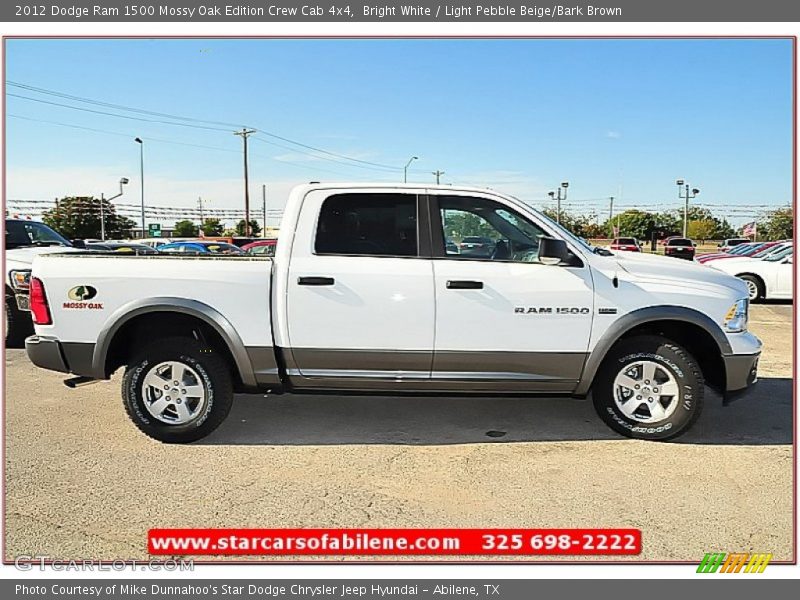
752	289
645	391
173	393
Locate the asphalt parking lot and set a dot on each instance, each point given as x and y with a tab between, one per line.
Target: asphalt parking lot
82	482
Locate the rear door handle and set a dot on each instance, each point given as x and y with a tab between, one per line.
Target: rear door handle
315	281
464	285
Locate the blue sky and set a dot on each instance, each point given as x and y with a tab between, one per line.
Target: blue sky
613	117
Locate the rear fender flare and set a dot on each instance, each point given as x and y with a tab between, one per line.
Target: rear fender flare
185	306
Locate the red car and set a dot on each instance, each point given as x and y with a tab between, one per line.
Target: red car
261	247
749	249
627	244
679	247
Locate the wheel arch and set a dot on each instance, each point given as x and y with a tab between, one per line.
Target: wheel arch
702	337
758	278
104	362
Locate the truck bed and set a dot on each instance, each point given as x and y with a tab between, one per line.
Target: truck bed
236	286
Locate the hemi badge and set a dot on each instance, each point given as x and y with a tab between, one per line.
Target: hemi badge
607	311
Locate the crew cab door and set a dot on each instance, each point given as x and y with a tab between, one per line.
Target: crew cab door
504	320
360	308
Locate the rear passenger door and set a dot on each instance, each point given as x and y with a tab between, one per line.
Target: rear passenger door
360	302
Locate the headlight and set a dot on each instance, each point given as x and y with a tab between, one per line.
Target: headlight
20	280
736	319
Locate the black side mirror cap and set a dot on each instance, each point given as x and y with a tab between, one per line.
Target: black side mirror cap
553	251
78	244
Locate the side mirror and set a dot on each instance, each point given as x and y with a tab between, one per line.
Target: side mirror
78	243
789	260
553	251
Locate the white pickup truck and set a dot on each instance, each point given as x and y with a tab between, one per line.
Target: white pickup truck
368	292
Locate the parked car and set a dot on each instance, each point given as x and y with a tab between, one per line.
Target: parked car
261	247
24	240
124	247
473	245
680	248
199	247
156	242
626	244
750	249
236	240
767	278
451	247
342	307
726	245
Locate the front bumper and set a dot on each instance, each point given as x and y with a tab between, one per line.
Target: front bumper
50	353
741	373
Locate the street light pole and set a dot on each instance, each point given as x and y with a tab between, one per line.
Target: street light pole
686	197
405	169
122	182
141	175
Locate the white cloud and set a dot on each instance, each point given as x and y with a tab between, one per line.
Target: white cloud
614	135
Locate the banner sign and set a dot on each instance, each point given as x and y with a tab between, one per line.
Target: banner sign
394	10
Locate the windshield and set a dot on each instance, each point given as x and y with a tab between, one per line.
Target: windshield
20	234
779	255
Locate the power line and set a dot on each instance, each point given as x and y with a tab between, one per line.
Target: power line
191	122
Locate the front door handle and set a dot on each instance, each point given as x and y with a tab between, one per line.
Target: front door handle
315	281
464	285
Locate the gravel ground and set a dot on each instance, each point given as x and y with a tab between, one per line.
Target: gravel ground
82	482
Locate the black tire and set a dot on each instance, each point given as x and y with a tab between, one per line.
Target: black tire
755	287
18	324
670	359
212	369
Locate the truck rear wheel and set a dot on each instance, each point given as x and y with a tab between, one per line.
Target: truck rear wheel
177	390
649	388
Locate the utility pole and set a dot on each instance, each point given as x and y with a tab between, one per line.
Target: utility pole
244	133
140	141
611	208
200	204
438	174
102	218
264	205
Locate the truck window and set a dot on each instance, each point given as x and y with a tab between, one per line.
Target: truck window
477	228
368	225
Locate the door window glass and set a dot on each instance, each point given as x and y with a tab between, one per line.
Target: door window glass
476	228
368	224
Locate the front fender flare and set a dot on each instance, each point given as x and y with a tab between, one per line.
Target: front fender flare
639	317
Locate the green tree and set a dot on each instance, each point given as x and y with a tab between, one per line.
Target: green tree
186	228
255	228
212	227
702	229
78	217
632	223
777	224
459	224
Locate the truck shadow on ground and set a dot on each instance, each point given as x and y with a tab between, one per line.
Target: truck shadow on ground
762	416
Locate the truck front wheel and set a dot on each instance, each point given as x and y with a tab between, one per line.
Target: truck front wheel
177	390
649	388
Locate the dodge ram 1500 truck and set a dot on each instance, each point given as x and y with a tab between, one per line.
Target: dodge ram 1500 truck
366	293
